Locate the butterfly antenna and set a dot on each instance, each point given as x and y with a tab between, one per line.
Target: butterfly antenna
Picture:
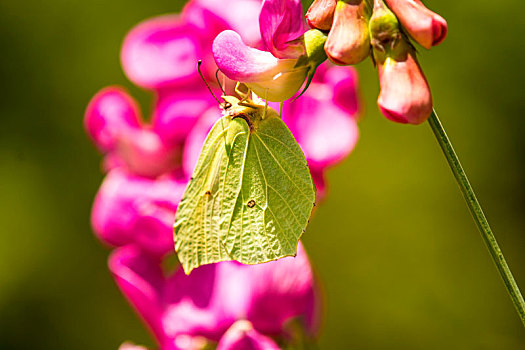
218	82
205	82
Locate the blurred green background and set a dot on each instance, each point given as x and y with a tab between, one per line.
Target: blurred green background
401	262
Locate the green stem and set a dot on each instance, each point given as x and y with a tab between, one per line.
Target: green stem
477	213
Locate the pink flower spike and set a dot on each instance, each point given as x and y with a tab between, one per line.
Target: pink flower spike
242	336
426	27
269	77
282	26
405	94
130	209
110	113
161	51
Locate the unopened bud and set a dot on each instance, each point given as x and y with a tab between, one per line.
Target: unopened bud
349	40
405	94
320	15
424	26
384	27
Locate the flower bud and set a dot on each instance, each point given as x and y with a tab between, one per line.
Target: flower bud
321	14
405	94
349	41
424	26
384	28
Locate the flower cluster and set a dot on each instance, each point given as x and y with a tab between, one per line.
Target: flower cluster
149	162
358	28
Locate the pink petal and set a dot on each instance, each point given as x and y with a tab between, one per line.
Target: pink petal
177	112
135	210
212	17
280	291
161	51
144	153
271	78
405	95
195	139
204	303
111	112
426	27
282	25
344	82
242	336
326	133
321	186
140	279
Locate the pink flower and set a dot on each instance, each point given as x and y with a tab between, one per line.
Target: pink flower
180	309
324	119
349	41
162	51
212	17
405	95
113	122
130	209
274	74
320	15
424	26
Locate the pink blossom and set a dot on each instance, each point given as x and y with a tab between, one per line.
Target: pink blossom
273	74
162	51
131	209
424	26
212	17
349	41
323	120
405	95
206	303
110	113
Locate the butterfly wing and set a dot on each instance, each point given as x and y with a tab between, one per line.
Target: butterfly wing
250	198
275	200
214	186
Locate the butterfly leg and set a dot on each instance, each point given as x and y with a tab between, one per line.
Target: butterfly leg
244	95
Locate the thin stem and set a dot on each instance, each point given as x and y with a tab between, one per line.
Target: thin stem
477	213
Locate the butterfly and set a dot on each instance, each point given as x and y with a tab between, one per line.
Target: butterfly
251	193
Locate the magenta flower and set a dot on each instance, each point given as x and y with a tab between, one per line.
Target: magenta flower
212	17
181	309
130	209
113	122
274	74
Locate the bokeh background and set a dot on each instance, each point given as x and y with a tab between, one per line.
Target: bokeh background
401	262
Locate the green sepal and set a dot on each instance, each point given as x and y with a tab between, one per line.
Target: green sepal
314	41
